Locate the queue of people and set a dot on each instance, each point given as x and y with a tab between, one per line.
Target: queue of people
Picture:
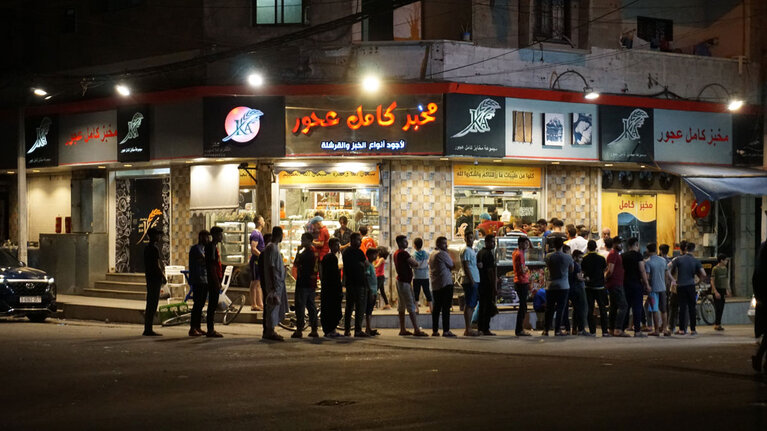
597	278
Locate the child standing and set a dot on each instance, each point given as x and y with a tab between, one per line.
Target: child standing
372	288
720	287
379	265
421	273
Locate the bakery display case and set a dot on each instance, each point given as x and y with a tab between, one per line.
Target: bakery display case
234	246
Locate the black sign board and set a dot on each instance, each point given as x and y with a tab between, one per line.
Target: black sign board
146	208
386	125
244	126
747	142
133	134
475	125
42	141
626	134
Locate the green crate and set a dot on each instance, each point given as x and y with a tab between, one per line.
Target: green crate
172	310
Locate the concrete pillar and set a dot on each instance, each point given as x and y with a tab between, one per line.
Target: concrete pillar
264	175
743	235
22	184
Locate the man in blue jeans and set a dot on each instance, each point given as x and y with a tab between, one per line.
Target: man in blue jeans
687	267
470	281
635	282
560	265
614	285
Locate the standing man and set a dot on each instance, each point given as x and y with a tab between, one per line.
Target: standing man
343	234
257	246
198	280
366	241
720	287
759	284
577	239
215	275
557	231
602	249
320	244
356	294
671	303
635	283
154	272
275	294
331	294
560	265
470	281
488	285
355	224
614	284
594	267
440	271
466	219
657	271
403	265
521	283
306	287
687	267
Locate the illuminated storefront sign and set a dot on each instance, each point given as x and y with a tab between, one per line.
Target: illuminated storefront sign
476	126
133	134
321	177
42	141
244	126
496	176
693	137
407	124
88	138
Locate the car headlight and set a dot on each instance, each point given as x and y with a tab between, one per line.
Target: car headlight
50	280
753	302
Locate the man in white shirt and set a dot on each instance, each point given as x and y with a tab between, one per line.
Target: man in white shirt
601	249
576	240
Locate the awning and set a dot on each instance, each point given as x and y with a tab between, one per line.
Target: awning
718	182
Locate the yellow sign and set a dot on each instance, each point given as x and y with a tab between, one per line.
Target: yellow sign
496	175
246	180
297	178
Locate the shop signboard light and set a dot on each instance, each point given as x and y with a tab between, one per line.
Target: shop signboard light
88	138
405	124
133	134
476	125
42	141
496	175
244	126
693	137
626	134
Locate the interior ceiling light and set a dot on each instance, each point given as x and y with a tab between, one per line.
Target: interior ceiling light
255	80
40	92
122	90
371	84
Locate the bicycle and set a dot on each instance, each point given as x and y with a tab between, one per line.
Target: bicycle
705	303
230	308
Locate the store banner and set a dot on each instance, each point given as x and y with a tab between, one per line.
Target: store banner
626	134
544	130
748	141
42	146
386	125
475	125
88	138
321	177
496	176
693	137
146	207
133	134
244	126
214	187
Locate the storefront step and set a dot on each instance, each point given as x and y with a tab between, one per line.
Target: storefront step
126	286
79	307
128	277
115	293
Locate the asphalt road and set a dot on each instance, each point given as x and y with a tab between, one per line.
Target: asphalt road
89	375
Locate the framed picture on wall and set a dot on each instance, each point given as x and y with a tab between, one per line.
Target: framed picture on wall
582	128
554	129
523	126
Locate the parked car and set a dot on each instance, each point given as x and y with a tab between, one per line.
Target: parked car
25	291
752	309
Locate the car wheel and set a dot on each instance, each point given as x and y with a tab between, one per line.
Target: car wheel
37	317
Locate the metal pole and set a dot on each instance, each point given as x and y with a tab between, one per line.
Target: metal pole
22	190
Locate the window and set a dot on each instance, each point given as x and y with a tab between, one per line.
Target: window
659	32
278	12
552	20
69	20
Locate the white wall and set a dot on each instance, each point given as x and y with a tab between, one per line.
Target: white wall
48	197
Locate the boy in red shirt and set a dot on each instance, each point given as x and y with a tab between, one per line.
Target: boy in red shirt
521	283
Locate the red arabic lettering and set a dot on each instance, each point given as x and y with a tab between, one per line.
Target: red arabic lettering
418	120
387	114
357	120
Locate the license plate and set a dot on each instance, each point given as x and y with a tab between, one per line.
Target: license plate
30	299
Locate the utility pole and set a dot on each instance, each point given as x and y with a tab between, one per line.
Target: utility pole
22	188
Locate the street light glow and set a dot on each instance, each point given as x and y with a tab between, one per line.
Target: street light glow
735	104
591	95
40	92
122	90
371	84
255	80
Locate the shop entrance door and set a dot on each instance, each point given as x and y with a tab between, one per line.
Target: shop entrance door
142	204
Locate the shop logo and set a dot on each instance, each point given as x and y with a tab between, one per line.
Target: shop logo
149	222
42	135
484	112
631	126
242	124
133	126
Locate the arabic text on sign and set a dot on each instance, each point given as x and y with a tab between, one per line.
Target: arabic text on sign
363	145
384	117
90	134
693	135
